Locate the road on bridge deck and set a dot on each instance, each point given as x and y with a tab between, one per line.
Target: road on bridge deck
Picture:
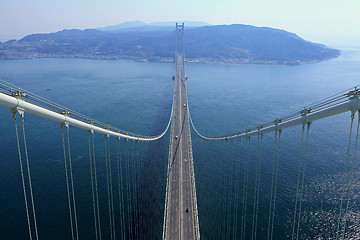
181	220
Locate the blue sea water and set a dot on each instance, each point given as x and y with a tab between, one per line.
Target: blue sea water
136	97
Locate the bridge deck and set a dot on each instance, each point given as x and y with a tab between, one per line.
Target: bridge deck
181	213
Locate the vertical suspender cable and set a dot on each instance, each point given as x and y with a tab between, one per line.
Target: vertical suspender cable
298	183
138	159
255	188
111	188
140	187
275	187
139	162
232	194
272	188
245	188
72	182
118	182
223	203
131	177
120	188
128	187
237	190
67	185
126	196
233	191
226	196
258	188
142	195
303	179
96	186
344	178
243	196
123	187
92	187
28	170
108	187
229	203
134	189
22	177
351	177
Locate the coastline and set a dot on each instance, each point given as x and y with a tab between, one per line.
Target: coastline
169	60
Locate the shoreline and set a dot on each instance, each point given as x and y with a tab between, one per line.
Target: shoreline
169	60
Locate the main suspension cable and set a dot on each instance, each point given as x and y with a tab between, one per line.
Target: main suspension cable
340	103
36	104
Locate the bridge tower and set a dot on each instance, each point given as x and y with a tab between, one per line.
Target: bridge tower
180	46
181	214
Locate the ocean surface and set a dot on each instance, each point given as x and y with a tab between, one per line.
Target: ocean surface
136	97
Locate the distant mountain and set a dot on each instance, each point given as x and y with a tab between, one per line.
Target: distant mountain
139	26
186	23
237	43
131	24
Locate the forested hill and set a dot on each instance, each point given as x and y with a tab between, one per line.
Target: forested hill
223	43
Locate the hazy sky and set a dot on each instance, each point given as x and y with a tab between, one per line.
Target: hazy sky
334	22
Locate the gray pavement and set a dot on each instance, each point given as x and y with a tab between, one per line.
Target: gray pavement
181	214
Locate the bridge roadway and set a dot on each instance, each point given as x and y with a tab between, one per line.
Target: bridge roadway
181	220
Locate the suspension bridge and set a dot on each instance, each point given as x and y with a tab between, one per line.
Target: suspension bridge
120	213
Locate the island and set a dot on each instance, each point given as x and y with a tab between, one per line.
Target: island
234	44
